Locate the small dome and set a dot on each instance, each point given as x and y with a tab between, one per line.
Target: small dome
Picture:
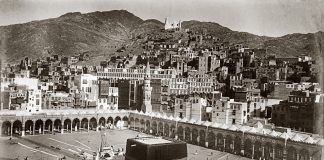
177	119
233	128
297	138
285	135
152	114
184	120
274	133
223	126
264	131
245	128
320	142
199	122
192	121
309	140
207	123
158	115
253	130
216	125
165	116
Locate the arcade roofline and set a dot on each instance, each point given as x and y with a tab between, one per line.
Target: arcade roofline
299	137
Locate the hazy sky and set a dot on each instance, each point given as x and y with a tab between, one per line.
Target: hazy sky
262	17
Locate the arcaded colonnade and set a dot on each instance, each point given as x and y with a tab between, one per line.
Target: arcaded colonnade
64	121
256	143
246	141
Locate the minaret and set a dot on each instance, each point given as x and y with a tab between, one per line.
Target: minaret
166	23
147	90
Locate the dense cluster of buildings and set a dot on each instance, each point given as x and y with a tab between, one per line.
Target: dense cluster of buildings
190	74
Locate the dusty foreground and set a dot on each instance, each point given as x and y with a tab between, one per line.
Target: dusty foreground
70	145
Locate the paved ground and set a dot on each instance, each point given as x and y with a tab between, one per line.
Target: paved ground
50	147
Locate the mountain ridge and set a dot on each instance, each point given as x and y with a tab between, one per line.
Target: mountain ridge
102	33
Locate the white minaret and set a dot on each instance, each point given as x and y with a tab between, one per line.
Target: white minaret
147	90
166	24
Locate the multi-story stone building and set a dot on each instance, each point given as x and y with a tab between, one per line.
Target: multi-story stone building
191	107
299	111
128	73
108	101
89	85
228	111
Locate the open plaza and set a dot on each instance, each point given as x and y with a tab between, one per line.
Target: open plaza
70	145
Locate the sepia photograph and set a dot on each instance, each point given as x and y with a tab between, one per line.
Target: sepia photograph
161	80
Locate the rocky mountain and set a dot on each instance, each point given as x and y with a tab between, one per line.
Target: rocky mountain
101	33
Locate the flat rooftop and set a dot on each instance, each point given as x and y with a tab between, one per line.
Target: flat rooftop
151	140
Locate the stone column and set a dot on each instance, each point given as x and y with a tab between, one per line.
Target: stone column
184	134
163	131
198	140
34	128
11	127
224	144
273	153
252	150
216	146
80	126
88	125
97	127
71	127
145	126
233	148
262	151
40	129
44	128
284	155
191	137
23	129
206	139
242	146
62	127
8	131
53	127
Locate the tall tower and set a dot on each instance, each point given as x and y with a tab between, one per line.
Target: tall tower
166	23
147	90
